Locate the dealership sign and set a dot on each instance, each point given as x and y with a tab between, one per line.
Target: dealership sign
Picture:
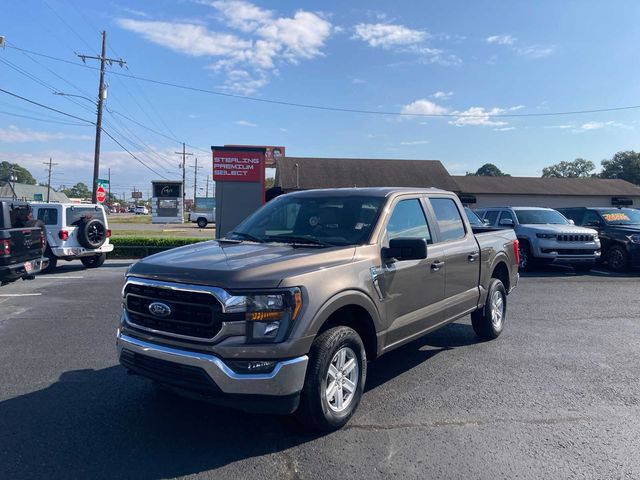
238	164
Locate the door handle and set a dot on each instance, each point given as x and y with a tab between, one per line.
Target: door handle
472	257
437	265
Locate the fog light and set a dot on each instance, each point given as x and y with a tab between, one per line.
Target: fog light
252	366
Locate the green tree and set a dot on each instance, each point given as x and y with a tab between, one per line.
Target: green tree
579	168
623	165
79	190
23	175
488	170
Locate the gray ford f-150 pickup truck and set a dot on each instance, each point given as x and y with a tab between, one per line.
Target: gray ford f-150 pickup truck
285	312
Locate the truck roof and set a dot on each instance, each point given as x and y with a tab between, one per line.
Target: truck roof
515	208
365	191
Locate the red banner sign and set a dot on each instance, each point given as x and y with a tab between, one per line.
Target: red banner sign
238	166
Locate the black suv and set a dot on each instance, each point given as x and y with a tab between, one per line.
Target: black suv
619	231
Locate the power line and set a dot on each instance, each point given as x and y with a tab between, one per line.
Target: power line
59	122
344	109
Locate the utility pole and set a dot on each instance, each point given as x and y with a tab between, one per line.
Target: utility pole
195	178
207	194
109	194
50	164
101	94
184	154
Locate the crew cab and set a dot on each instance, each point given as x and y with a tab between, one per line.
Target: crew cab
546	236
74	232
284	313
619	231
22	243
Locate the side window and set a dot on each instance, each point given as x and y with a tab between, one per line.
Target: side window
491	216
48	215
448	218
408	221
506	215
590	218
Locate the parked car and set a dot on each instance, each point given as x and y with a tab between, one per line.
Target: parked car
22	242
619	231
284	313
202	217
74	231
141	210
546	236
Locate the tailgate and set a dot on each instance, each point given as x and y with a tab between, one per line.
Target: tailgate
24	244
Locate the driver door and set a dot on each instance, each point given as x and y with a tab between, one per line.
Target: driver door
413	289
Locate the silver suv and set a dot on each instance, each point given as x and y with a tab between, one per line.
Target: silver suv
74	231
546	236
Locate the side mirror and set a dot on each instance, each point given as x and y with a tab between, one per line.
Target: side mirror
571	222
486	222
506	222
405	249
593	224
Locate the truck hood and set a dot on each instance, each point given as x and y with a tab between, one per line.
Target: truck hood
551	228
238	265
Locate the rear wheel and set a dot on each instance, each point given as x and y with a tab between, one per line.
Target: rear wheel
488	322
335	379
202	222
94	261
617	258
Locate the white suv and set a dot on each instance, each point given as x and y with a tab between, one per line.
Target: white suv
74	231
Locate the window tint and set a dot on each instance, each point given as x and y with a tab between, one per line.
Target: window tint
506	214
590	217
408	221
76	215
448	218
491	216
48	215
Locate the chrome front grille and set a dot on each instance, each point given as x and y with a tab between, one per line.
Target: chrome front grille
572	237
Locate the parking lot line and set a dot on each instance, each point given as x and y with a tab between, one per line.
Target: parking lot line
20	294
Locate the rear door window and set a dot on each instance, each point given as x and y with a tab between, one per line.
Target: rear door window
448	218
76	215
48	215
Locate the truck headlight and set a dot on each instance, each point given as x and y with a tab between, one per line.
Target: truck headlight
634	238
270	315
546	235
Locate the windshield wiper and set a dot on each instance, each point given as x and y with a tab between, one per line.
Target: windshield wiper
299	239
247	236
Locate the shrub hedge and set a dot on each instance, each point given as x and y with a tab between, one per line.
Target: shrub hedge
138	247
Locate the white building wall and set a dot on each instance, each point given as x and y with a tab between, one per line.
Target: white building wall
552	201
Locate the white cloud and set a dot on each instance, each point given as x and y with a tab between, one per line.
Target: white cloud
415	142
264	40
504	129
246	123
535	51
515	108
561	127
386	35
399	38
599	125
478	116
137	13
13	134
358	81
439	95
423	107
501	39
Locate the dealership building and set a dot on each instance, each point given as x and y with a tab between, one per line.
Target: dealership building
297	173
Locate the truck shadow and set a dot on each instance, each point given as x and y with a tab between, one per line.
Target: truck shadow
107	424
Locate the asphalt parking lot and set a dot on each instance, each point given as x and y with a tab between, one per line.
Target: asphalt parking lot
556	396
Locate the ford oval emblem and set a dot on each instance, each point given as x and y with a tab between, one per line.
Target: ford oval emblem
159	309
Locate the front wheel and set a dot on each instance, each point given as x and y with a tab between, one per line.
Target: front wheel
53	261
202	222
335	379
617	258
488	322
527	261
95	261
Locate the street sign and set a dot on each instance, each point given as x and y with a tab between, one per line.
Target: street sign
136	195
101	194
102	182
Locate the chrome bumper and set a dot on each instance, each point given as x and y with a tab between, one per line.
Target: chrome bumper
287	377
80	251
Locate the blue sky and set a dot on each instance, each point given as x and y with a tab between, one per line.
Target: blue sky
477	58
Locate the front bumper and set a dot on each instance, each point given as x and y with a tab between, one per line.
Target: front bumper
572	252
10	273
77	252
183	370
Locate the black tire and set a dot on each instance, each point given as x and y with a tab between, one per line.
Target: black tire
315	410
53	261
94	261
484	321
527	262
202	222
92	233
617	258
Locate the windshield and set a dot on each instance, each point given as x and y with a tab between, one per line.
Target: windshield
339	220
474	219
621	216
534	217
